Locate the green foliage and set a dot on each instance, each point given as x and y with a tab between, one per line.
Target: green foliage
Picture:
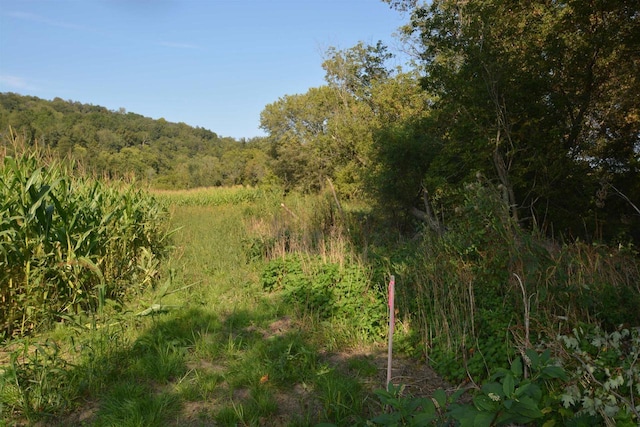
523	94
342	294
339	131
121	145
68	245
408	411
511	397
253	330
357	69
523	394
36	381
308	224
596	284
134	404
536	389
228	352
300	139
465	291
604	373
214	196
259	406
458	286
341	397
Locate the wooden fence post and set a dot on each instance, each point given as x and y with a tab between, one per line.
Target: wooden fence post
392	283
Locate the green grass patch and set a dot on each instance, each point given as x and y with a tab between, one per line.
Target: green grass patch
211	196
206	335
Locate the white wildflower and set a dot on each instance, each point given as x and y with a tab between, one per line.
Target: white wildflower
494	397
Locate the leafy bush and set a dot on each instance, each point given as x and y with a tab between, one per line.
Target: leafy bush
68	245
523	394
604	376
343	294
600	389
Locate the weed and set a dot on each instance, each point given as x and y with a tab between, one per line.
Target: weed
341	397
37	382
133	404
342	294
362	366
509	397
604	373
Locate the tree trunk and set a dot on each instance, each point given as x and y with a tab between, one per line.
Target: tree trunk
428	215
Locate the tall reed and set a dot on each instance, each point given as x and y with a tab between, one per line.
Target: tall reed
488	284
303	224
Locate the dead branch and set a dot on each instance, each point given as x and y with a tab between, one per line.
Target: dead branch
427	215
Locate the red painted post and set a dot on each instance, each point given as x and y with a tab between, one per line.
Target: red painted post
392	322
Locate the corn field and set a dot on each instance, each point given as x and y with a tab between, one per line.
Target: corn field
211	196
69	244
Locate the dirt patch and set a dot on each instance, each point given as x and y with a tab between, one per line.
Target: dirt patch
275	328
203	365
417	377
300	400
83	416
196	414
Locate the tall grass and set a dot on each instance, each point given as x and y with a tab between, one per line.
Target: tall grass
304	224
488	286
68	244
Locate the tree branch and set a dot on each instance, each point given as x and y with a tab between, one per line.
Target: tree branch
427	215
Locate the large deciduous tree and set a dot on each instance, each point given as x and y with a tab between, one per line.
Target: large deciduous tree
325	134
300	142
543	96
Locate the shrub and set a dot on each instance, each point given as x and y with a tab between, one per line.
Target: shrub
604	376
470	290
524	394
343	294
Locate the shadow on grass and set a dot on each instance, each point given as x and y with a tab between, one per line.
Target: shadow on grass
190	368
134	384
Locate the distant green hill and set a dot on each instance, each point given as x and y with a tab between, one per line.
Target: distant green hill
124	144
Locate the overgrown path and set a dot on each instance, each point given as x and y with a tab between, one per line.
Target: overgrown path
255	360
222	350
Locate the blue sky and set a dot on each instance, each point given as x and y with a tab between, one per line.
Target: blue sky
209	63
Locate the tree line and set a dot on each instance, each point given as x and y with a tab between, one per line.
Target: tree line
539	99
119	144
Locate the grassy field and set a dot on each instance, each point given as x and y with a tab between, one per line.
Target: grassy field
271	311
208	346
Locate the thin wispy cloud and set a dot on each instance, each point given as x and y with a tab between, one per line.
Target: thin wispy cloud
15	82
25	16
180	45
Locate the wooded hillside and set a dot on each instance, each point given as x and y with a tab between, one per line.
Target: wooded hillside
125	144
